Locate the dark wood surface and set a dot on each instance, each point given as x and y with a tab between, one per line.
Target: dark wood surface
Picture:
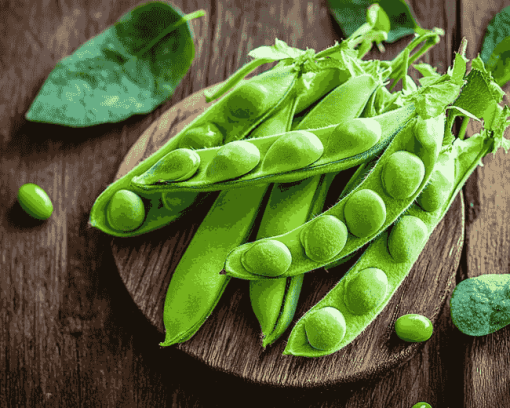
230	339
72	335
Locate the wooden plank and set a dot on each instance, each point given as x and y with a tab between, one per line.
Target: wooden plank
487	239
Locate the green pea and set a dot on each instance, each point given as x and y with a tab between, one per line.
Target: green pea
248	101
435	194
202	137
413	328
353	137
325	328
292	151
425	131
422	405
34	200
178	165
324	238
407	238
366	290
365	213
126	211
402	174
233	160
267	258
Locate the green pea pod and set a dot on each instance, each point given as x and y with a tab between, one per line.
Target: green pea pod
298	154
392	185
196	286
367	287
212	128
290	205
274	301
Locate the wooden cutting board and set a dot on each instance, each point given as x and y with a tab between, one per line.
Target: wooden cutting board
230	339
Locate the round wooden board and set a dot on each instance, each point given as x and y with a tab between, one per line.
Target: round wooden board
230	339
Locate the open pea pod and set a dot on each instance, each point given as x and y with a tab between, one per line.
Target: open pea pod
286	157
390	188
230	118
365	290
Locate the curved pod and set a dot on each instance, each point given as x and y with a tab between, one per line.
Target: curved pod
366	211
456	166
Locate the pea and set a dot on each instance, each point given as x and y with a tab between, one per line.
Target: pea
353	137
292	151
402	174
233	160
177	165
422	405
435	193
126	211
248	101
34	200
202	137
366	290
365	213
407	238
267	258
413	328
325	328
324	238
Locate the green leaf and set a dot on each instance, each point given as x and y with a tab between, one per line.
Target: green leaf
279	51
476	94
497	30
499	62
434	98
350	15
426	70
130	68
464	112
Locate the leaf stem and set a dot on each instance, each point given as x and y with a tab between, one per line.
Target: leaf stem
169	29
432	38
463	127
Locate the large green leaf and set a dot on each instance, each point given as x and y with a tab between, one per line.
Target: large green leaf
499	62
130	68
497	30
350	15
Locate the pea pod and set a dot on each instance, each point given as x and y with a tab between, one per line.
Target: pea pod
216	126
368	286
390	188
274	301
298	154
196	286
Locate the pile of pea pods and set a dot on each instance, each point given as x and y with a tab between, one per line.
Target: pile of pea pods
289	132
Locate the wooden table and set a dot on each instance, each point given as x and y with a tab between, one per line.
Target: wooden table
71	336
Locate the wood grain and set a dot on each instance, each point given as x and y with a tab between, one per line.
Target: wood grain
230	339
